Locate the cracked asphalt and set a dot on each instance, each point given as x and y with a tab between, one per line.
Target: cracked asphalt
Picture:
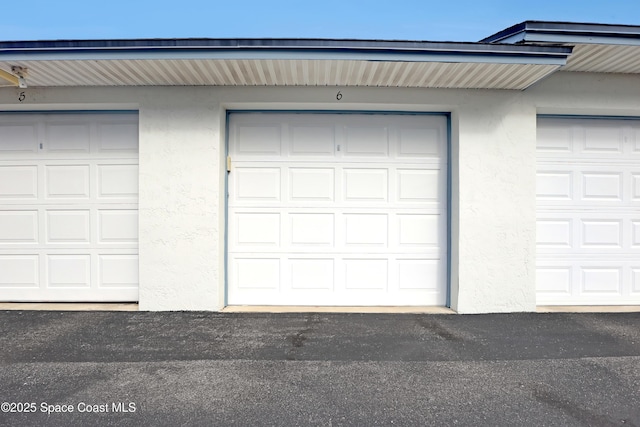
223	369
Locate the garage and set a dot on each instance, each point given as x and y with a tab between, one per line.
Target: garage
588	211
69	206
337	209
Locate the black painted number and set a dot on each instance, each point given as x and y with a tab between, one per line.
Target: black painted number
339	96
21	97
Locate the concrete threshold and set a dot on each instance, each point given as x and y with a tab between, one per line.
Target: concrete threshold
37	306
68	306
588	308
325	309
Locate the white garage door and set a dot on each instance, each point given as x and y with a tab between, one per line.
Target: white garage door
69	207
588	211
337	209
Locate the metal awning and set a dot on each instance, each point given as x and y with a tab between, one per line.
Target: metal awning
601	48
281	62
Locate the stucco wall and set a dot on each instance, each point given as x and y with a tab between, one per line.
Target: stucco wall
180	191
182	139
495	214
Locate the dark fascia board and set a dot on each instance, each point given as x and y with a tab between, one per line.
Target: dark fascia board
376	50
567	33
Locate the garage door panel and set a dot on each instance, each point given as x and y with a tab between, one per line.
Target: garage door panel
67	181
68	226
68	271
420	143
601	233
600	139
555	138
69	275
344	280
18	227
312	140
419	274
589	187
254	183
312	184
635	179
117	137
298	185
257	228
553	281
601	280
258	140
587	211
366	274
68	137
118	271
419	185
17	139
18	182
635	280
610	232
555	185
365	184
117	181
587	138
117	226
20	271
257	273
635	137
369	141
598	281
366	229
601	186
317	229
635	234
587	232
555	233
312	273
360	206
68	208
419	229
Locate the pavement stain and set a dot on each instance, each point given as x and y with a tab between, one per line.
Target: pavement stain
438	329
99	337
298	339
548	397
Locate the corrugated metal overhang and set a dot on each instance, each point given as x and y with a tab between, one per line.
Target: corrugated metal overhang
267	62
598	58
282	73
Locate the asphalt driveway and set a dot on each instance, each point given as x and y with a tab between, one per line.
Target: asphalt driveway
135	368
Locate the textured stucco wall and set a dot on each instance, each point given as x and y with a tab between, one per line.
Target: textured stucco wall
182	153
180	188
495	215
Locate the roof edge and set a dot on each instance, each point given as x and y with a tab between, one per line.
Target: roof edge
260	43
566	32
321	49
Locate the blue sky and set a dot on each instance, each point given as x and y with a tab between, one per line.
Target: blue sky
461	20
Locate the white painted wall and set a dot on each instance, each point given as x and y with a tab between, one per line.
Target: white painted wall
182	140
180	201
494	238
